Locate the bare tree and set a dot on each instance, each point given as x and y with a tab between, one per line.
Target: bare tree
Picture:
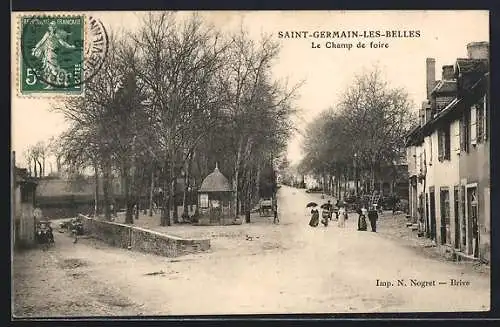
367	125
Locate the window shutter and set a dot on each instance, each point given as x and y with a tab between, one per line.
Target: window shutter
440	145
447	143
457	138
473	125
480	121
430	152
421	163
463	131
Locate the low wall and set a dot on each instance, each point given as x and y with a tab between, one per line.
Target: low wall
142	240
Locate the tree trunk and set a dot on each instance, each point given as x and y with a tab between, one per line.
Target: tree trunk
43	166
372	179
58	163
173	201
96	199
257	181
236	176
247	199
106	184
136	206
129	219
151	192
34	168
185	208
345	184
165	214
40	168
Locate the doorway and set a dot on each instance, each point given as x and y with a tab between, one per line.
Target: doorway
444	199
472	210
456	212
427	217
432	212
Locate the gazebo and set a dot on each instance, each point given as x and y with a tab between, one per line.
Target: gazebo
215	200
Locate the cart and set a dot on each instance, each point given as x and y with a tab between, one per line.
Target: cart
265	207
43	233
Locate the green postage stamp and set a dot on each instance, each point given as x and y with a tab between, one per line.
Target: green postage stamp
58	53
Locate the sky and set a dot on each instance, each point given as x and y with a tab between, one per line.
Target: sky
326	72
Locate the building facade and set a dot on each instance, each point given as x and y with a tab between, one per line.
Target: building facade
448	156
23	204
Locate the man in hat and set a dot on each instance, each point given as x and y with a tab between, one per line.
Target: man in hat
373	217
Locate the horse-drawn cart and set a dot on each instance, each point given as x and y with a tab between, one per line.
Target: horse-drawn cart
265	207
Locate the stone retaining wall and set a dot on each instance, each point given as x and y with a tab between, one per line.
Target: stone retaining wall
142	240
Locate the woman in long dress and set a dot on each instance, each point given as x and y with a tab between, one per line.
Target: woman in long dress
362	219
342	214
314	218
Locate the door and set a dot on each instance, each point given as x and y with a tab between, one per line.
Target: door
432	208
463	225
472	211
444	199
456	212
427	218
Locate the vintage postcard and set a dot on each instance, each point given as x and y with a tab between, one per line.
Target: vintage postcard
250	162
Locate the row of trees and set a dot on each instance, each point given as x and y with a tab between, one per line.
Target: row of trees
171	99
361	135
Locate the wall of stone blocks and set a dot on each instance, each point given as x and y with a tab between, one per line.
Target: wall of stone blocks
142	240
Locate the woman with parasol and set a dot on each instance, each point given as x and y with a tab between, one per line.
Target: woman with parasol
315	214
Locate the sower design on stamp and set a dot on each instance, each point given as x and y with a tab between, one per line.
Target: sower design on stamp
52	50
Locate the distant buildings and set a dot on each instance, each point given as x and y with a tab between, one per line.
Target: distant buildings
448	156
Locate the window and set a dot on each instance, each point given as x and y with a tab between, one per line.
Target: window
473	125
444	144
445	215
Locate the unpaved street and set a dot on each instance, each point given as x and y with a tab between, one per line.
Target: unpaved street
252	268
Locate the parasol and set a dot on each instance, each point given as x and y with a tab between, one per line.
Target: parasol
326	206
311	204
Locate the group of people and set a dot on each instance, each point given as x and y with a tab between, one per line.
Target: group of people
341	216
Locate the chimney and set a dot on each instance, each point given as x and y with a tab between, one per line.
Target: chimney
448	73
478	50
431	75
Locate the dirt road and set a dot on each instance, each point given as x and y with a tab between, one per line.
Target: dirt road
252	268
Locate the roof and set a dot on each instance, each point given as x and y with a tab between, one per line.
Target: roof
466	66
446	86
215	182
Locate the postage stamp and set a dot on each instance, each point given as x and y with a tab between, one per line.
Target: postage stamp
58	54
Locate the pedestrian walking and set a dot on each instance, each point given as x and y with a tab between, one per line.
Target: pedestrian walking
362	226
314	218
373	217
275	211
342	217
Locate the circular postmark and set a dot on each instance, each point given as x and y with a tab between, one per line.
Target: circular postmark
61	52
